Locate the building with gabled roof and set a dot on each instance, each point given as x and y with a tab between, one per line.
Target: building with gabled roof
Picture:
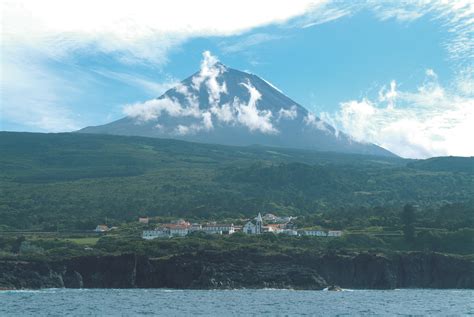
101	228
254	227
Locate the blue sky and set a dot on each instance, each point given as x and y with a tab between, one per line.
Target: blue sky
393	73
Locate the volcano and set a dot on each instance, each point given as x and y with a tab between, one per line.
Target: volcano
226	106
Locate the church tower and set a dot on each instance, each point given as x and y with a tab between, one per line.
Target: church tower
259	224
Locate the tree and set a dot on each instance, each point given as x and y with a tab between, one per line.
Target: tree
408	218
17	244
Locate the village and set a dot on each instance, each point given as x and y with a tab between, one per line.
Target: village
267	223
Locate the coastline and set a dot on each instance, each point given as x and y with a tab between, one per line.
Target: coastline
244	270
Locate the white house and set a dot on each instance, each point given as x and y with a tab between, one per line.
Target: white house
315	233
144	220
178	231
334	233
219	229
101	228
196	227
289	232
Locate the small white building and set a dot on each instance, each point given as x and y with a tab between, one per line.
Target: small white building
195	227
315	233
289	232
178	231
144	220
334	233
219	229
101	228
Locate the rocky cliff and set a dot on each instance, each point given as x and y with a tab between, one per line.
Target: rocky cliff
207	270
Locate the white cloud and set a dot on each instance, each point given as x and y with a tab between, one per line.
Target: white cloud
140	30
145	31
456	16
248	41
250	116
402	11
205	125
190	98
224	113
184	130
390	95
430	121
326	12
209	73
290	114
29	96
152	109
147	85
207	121
312	121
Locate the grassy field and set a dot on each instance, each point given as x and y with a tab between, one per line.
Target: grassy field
89	241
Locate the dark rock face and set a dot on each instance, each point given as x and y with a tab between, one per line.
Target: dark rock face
233	270
434	271
226	270
73	279
105	271
19	275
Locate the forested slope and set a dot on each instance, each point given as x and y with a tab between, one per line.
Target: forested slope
76	180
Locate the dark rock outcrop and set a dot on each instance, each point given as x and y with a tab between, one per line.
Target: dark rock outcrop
244	269
21	274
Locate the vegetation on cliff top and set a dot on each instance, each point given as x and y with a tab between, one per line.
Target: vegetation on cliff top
68	183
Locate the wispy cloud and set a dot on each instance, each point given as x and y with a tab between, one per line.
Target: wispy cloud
456	16
250	116
402	11
290	114
142	31
138	31
325	12
314	122
208	74
245	42
35	98
151	87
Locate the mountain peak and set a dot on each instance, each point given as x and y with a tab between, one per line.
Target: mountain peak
219	104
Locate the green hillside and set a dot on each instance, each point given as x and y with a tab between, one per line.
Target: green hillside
445	164
75	181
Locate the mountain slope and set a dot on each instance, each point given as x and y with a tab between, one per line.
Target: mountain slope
445	164
77	180
222	105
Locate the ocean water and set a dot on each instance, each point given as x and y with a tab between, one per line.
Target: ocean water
163	302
